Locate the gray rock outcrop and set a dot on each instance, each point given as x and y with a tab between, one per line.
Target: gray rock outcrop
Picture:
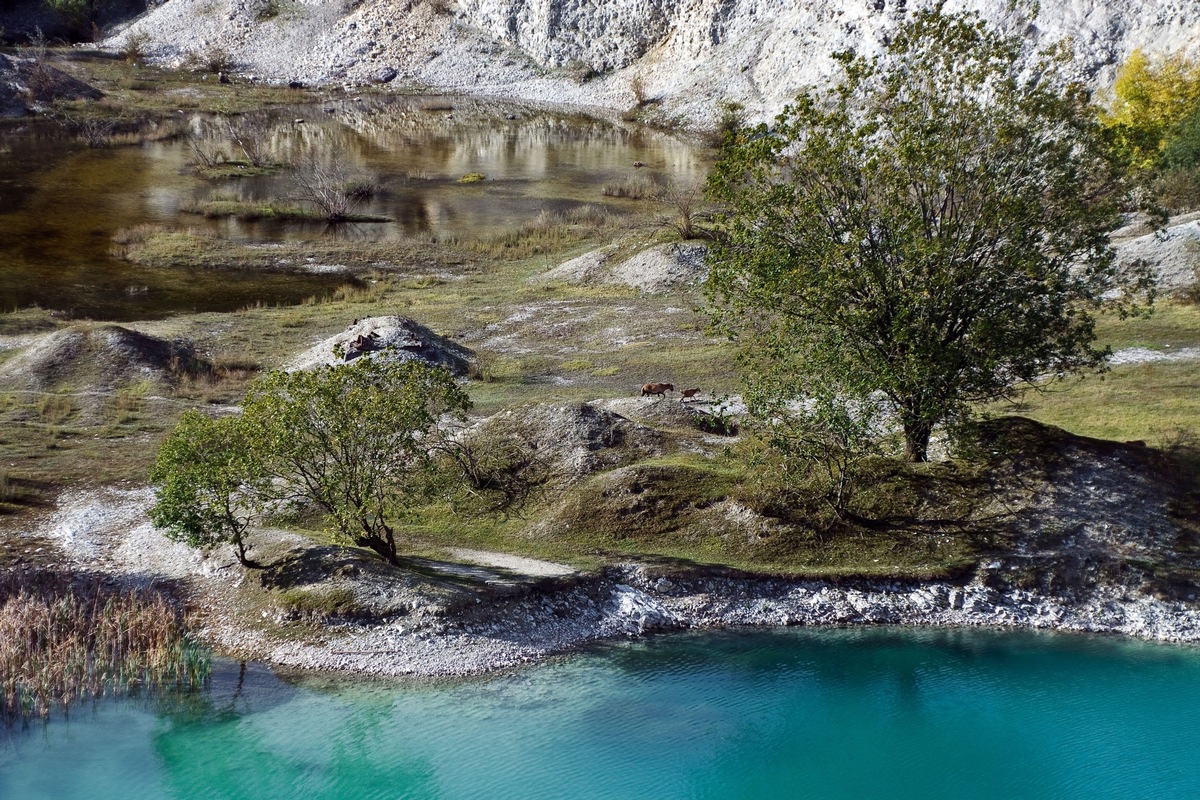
1172	254
392	337
661	268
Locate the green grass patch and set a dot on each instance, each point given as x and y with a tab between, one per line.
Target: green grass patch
145	88
319	601
1137	401
687	510
27	320
221	208
1170	325
236	169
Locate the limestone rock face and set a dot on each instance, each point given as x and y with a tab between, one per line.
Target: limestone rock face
689	55
601	34
1173	254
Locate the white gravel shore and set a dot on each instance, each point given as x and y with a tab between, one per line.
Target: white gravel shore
628	602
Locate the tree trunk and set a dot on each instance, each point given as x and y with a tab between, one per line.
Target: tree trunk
246	562
385	546
916	440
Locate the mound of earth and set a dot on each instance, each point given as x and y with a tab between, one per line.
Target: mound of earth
666	412
27	82
393	337
100	358
331	582
656	504
662	268
572	440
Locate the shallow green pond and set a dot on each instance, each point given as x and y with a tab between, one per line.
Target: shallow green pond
791	713
62	203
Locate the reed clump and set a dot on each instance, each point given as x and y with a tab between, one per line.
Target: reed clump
64	639
638	188
547	232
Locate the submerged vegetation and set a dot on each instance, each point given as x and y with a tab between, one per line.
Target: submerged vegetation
64	639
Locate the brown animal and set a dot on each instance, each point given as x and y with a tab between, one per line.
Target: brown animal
361	344
687	394
657	388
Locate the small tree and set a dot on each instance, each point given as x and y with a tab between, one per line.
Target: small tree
329	186
208	480
932	230
357	440
691	213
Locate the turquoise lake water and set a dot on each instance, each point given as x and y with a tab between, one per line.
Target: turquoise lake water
872	713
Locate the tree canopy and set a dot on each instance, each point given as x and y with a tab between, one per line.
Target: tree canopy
1155	114
209	479
358	440
931	232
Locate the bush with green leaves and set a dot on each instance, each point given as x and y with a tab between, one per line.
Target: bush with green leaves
1154	122
932	230
364	442
1154	100
358	440
81	17
210	481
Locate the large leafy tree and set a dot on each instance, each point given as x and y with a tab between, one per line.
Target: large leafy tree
1156	109
931	232
81	16
209	480
358	440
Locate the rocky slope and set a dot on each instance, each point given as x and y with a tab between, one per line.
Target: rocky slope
688	55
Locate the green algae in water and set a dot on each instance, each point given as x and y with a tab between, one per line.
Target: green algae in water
813	713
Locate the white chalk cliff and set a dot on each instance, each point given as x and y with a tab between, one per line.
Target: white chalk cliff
689	54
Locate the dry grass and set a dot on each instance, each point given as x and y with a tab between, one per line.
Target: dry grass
55	408
10	491
63	640
226	382
548	232
211	60
638	188
142	87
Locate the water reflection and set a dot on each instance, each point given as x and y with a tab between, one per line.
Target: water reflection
61	203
